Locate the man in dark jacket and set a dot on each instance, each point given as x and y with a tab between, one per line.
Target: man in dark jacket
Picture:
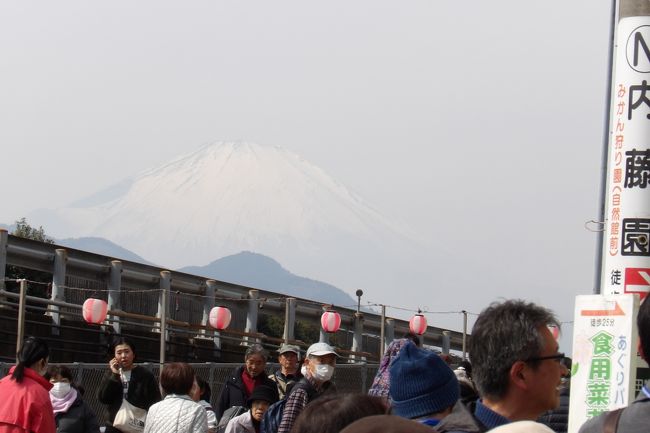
289	372
516	368
239	386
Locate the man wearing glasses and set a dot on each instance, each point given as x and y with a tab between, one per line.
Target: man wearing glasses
516	368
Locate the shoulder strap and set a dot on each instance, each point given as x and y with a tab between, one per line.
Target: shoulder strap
308	387
611	420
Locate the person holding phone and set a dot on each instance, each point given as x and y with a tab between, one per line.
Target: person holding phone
126	380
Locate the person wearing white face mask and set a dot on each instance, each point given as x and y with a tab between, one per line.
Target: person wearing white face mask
71	413
318	370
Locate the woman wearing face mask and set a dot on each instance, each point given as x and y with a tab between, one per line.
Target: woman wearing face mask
25	402
318	370
71	413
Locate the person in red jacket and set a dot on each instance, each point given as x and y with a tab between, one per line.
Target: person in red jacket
25	404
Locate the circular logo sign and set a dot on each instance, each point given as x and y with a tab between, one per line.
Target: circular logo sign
637	50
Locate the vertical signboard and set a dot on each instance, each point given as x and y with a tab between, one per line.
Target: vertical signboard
604	355
626	246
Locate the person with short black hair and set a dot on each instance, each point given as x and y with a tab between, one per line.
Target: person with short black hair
25	405
635	417
243	380
515	365
177	412
124	378
71	412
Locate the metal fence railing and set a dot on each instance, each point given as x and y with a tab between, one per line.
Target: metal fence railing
347	377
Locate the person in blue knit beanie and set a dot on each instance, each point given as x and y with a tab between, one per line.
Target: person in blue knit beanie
422	386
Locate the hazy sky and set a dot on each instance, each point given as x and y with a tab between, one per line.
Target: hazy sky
477	124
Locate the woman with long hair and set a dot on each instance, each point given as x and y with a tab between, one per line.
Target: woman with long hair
24	393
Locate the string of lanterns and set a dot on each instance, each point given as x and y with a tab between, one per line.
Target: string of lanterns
95	311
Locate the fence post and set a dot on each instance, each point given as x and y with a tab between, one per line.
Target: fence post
115	292
165	286
464	335
251	317
390	332
20	334
324	336
382	333
58	287
357	339
446	342
289	319
4	236
208	305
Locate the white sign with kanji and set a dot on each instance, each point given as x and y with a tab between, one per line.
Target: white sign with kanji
604	355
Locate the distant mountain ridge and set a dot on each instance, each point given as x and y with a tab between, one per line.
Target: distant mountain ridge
259	271
103	247
245	268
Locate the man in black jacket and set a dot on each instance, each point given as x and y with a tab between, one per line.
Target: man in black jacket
239	386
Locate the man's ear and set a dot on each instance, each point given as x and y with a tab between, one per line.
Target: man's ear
518	374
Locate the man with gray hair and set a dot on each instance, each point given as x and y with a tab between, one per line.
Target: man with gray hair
240	384
516	368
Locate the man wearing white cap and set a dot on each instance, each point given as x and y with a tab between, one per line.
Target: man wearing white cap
318	369
289	372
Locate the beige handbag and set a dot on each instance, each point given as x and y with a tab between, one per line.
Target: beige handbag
130	419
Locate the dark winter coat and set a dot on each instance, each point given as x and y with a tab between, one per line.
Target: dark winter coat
79	418
143	392
234	393
558	419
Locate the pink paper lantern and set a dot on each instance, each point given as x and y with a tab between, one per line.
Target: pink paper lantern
94	310
418	324
220	317
330	321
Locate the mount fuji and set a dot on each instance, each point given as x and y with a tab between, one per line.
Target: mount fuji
229	197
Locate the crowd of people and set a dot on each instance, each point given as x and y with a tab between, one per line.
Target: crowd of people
516	382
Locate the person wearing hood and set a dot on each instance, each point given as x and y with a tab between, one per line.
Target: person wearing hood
258	403
318	370
71	413
25	405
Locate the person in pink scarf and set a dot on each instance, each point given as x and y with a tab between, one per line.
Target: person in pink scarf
71	413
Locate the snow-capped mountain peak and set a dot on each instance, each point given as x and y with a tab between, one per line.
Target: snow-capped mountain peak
227	197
